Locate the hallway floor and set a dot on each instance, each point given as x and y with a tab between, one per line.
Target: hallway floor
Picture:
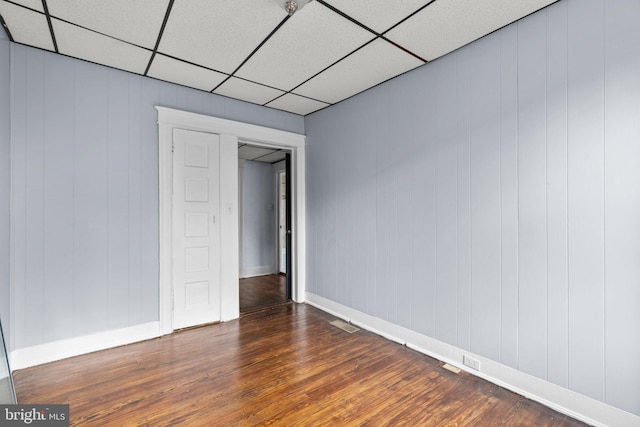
257	293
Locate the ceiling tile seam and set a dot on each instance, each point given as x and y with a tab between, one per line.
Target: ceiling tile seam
347	17
257	83
286	18
265	155
266	104
192	63
162	27
381	35
48	16
6	29
406	18
405	50
53	17
331	65
23	6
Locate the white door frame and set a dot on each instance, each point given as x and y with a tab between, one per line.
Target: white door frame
230	132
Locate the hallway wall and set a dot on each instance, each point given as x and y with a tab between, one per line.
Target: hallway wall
258	220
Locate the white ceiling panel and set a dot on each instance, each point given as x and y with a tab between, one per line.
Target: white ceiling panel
219	34
250	152
32	4
94	47
380	58
314	38
378	15
274	157
26	26
248	91
175	71
297	104
449	24
137	22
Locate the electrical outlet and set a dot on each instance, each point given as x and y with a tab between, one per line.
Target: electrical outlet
472	363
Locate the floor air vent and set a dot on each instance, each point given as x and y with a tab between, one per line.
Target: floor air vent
344	326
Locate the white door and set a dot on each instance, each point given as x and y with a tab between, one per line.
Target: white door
196	228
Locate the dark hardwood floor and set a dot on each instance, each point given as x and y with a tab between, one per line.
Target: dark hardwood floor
256	293
281	366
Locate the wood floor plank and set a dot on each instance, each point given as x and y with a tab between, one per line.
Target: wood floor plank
284	366
260	292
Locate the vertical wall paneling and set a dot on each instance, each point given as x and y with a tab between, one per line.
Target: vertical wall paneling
134	208
585	197
365	205
446	152
532	187
557	266
18	196
117	199
509	195
149	195
423	209
58	200
622	204
84	182
485	197
386	205
330	225
404	194
90	197
522	171
5	183
34	203
343	227
464	198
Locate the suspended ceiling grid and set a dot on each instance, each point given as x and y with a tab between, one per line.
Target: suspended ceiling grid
252	50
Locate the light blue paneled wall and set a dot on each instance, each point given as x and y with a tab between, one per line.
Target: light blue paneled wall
5	182
259	237
491	199
85	191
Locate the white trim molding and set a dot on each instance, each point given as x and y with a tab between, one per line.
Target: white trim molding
565	401
261	270
50	352
229	130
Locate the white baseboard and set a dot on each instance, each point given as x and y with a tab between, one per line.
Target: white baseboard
568	402
261	270
57	350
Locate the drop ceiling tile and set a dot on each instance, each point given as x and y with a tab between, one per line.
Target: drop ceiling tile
88	45
26	26
137	22
378	15
248	91
175	71
312	39
297	104
250	152
380	59
219	34
449	24
274	157
32	4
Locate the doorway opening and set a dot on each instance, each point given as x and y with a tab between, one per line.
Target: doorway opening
230	133
265	215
